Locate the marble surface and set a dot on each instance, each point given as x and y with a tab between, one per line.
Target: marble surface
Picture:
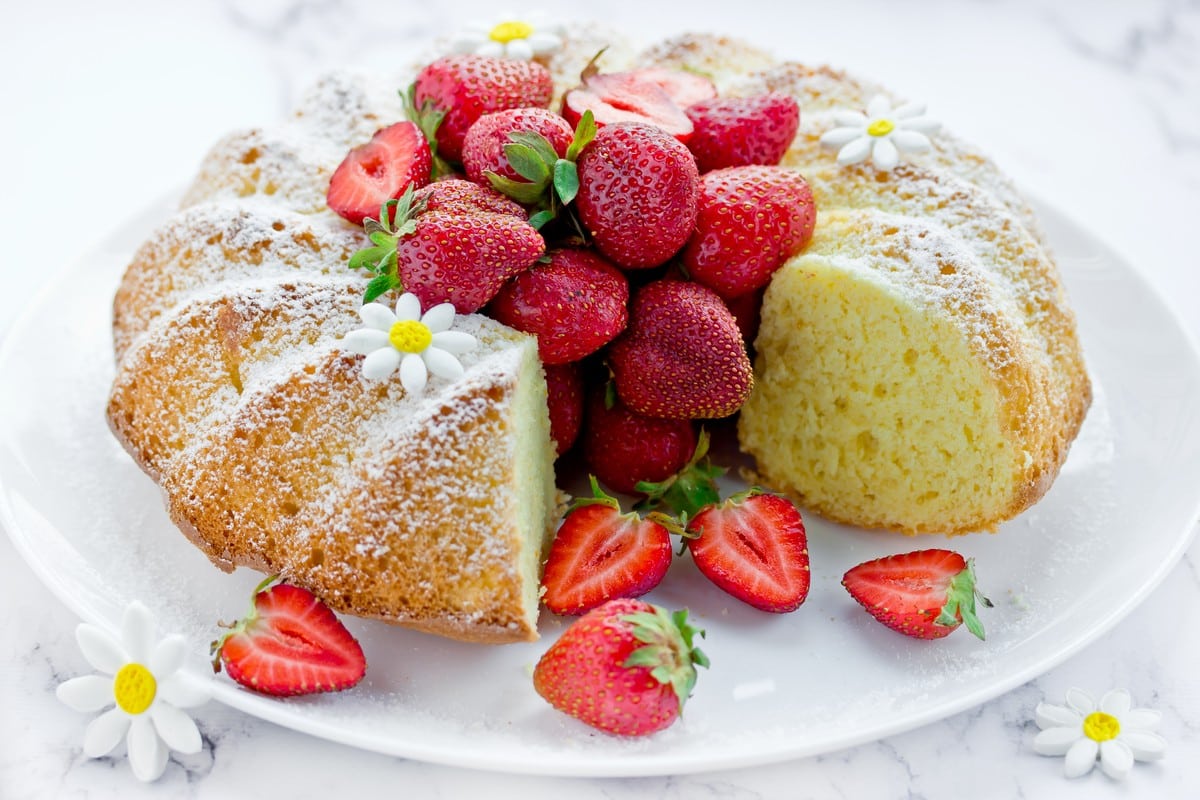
1092	106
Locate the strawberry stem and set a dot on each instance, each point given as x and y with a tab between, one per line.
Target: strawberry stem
688	491
960	601
669	651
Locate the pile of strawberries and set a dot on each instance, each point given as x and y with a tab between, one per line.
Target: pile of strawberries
632	234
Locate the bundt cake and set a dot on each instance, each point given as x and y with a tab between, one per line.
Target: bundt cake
917	367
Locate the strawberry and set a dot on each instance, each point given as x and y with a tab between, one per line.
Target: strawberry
925	594
453	255
638	189
625	668
484	146
749	221
746	310
564	399
624	449
290	643
451	93
396	157
626	97
684	88
574	304
682	356
463	196
599	554
754	547
739	131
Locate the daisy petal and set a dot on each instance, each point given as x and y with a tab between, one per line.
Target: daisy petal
413	374
908	110
1081	758
920	124
86	693
1080	701
182	692
176	728
884	154
1056	741
1141	719
167	657
442	364
439	318
365	341
879	107
137	632
518	50
544	43
851	119
491	49
408	307
147	754
104	733
911	141
381	363
1116	702
100	649
855	151
1144	745
377	316
1115	759
839	137
1052	716
455	342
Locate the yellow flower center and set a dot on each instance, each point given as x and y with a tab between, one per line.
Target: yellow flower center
134	688
410	336
881	127
505	32
1101	727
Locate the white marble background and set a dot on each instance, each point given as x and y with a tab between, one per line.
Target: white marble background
1093	105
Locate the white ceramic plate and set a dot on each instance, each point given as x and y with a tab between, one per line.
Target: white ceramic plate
823	678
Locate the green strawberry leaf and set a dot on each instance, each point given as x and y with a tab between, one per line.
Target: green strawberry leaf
537	143
566	180
379	285
688	491
527	163
585	131
370	257
525	193
538	220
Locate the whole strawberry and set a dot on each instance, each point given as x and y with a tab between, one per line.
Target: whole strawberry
564	400
462	88
456	255
755	548
638	189
625	668
739	131
483	147
371	174
749	221
623	448
290	643
925	594
682	356
600	553
460	196
574	304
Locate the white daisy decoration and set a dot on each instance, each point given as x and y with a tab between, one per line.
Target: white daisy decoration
416	344
882	134
143	680
519	37
1111	732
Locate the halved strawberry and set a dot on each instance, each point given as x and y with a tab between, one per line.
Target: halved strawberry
625	97
754	547
397	157
290	643
684	88
600	554
925	594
